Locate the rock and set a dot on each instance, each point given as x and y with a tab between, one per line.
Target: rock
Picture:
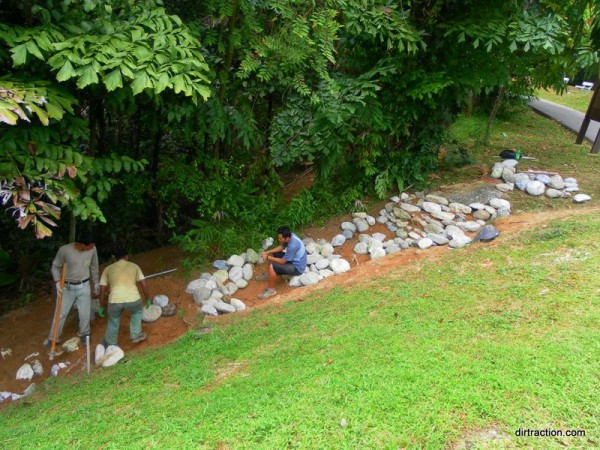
434	227
508	176
581	198
522	184
322	264
25	372
371	220
326	273
542	178
201	294
377	252
510	162
221	276
225	308
338	240
236	273
238	304
414	235
220	264
379	237
505	187
339	266
71	345
481	194
499	203
392	248
482	214
361	248
218	295
311	248
439	239
361	225
251	256
212	284
241	283
30	390
437	199
99	354
383	219
468	226
572	189
401	214
431	207
308	279
453	231
503	212
247	271
348	226
236	261
209	310
193	285
459	208
425	243
266	243
497	170
556	182
168	310
487	233
410	208
553	193
312	259
476	206
232	288
37	367
327	250
459	241
535	188
295	281
359	215
160	300
113	355
151	313
443	216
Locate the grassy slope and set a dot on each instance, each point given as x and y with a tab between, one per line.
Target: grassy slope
494	336
574	98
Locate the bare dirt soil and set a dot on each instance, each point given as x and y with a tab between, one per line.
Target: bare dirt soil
24	330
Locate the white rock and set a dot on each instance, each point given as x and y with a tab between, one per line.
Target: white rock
151	313
201	294
431	207
379	237
499	203
459	208
312	259
377	252
359	215
505	187
510	163
160	300
370	220
326	250
212	284
295	281
232	288
241	283
437	199
308	279
410	208
251	256
459	241
338	240
236	260
361	248
425	243
247	272
340	266
25	372
553	193
322	264
238	304
193	285
236	273
209	310
37	367
497	170
326	273
99	354
581	198
72	344
453	231
224	307
361	225
218	295
482	214
348	226
477	206
113	355
535	188
556	182
443	215
439	239
221	276
469	225
311	248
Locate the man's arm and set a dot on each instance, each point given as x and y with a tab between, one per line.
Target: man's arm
144	288
266	253
103	296
57	265
94	271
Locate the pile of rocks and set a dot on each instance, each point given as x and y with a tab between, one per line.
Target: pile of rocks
321	262
536	183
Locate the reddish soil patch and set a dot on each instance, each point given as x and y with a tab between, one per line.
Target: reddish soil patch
24	330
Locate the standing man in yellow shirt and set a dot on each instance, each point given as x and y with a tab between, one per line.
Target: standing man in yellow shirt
122	279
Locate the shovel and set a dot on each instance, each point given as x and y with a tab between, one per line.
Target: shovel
59	298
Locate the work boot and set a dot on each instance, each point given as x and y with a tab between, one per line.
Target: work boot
263	276
140	338
268	292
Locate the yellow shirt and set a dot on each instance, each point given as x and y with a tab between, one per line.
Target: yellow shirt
121	278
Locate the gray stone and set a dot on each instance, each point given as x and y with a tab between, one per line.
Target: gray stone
311	248
431	207
395	199
113	355
236	273
437	199
522	184
266	243
459	208
409	208
338	240
505	187
98	354
542	178
241	283
366	238
251	256
382	219
72	344
236	260
201	294
220	264
482	214
581	198
348	234
221	276
468	226
322	264
349	226
439	239
443	215
379	237
572	189
311	259
231	288
553	193
308	279
377	252
510	163
247	271
425	243
392	248
508	176
340	266
224	308
401	233
217	295
401	243
195	284
326	273
477	206
160	300
206	276
481	194
371	220
535	188
295	281
414	235
37	368
570	180
359	215
499	203
151	313
25	372
392	227
433	227
487	233
503	212
497	170
209	310
453	231
556	182
401	214
459	241
361	225
238	304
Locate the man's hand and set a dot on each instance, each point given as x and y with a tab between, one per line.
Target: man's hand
101	312
148	303
58	288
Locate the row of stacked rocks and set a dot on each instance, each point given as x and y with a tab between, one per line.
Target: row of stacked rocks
536	184
213	292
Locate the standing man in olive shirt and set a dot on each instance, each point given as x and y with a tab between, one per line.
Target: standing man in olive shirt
122	278
81	259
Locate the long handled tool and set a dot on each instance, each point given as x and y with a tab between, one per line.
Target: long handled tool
87	349
59	298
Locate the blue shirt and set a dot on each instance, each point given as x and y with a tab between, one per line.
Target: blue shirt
295	252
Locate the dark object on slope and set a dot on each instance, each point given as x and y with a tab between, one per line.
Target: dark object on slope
509	154
168	310
486	234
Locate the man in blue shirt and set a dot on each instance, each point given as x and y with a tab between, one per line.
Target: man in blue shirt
288	258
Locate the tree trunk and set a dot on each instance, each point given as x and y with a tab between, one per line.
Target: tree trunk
492	118
72	227
469	109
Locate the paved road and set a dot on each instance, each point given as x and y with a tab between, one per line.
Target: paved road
567	117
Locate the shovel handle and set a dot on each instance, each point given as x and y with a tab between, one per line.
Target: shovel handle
63	275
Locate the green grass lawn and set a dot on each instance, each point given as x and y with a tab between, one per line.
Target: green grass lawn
489	337
572	98
502	337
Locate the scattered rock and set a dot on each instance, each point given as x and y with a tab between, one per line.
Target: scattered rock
112	356
151	313
25	372
425	243
98	354
535	188
37	367
160	300
581	198
71	345
339	266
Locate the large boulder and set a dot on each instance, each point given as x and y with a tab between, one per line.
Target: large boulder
151	313
340	265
